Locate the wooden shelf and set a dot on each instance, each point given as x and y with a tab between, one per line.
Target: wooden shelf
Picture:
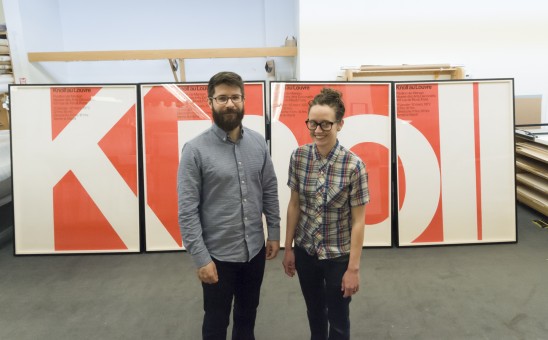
532	199
435	71
532	171
532	166
163	54
6	72
538	183
532	150
171	55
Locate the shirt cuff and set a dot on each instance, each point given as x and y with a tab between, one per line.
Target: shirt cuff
274	233
201	259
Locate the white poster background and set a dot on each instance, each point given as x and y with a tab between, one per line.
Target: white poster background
454	180
357	129
39	163
157	236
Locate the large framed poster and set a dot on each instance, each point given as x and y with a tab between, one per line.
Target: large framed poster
455	140
172	114
75	172
366	132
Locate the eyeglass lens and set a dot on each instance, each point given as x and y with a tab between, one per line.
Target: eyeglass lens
325	125
224	99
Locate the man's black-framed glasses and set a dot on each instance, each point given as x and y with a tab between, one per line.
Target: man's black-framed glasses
222	100
324	125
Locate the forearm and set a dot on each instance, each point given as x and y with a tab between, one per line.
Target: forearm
293	212
292	220
356	239
356	246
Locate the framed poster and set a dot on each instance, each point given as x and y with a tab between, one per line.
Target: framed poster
173	114
455	140
75	173
366	132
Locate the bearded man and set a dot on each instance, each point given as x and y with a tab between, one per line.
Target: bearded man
226	182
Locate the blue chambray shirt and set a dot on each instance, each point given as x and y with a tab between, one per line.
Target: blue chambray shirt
224	187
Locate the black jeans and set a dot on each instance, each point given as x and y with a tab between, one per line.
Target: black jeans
321	286
241	281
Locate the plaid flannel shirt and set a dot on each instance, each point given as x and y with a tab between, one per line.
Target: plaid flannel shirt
328	188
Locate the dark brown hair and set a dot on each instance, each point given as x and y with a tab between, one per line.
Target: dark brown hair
331	98
224	78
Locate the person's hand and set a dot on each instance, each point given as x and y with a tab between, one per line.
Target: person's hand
289	262
350	283
272	248
208	273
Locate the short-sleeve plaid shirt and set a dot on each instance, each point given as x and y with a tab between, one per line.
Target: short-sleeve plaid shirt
328	188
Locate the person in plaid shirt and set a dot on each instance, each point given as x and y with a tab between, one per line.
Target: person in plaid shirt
325	219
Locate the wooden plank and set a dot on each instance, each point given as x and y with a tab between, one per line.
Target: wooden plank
532	151
538	183
410	71
433	70
534	146
164	54
406	67
532	166
532	199
182	69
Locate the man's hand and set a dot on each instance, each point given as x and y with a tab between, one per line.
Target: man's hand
208	273
272	248
350	283
289	262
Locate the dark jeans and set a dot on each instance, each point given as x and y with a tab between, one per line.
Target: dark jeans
321	286
241	281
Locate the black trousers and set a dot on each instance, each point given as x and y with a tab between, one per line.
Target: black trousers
328	311
238	281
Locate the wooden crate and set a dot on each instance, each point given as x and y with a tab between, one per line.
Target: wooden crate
404	72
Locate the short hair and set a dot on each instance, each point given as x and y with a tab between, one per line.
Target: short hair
331	98
224	78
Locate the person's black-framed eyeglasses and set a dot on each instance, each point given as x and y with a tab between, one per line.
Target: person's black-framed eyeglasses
222	100
324	125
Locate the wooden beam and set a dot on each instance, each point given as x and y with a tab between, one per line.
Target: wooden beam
405	70
164	54
182	69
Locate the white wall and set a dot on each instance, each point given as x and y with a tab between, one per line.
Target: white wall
2	18
35	24
81	25
490	38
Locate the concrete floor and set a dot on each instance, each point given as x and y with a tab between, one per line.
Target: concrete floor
452	292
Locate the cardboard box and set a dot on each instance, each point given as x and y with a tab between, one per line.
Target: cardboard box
4	119
528	109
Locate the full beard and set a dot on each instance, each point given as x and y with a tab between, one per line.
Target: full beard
228	119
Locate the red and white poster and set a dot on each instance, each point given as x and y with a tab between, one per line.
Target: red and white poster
74	157
173	114
366	132
455	140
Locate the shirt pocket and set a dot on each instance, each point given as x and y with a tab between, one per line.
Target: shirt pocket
337	194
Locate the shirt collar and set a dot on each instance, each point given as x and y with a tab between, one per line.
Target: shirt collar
331	156
222	134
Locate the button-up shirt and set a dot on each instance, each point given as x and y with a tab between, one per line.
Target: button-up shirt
328	188
224	187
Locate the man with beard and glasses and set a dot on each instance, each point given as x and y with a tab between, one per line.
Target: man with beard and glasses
225	183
